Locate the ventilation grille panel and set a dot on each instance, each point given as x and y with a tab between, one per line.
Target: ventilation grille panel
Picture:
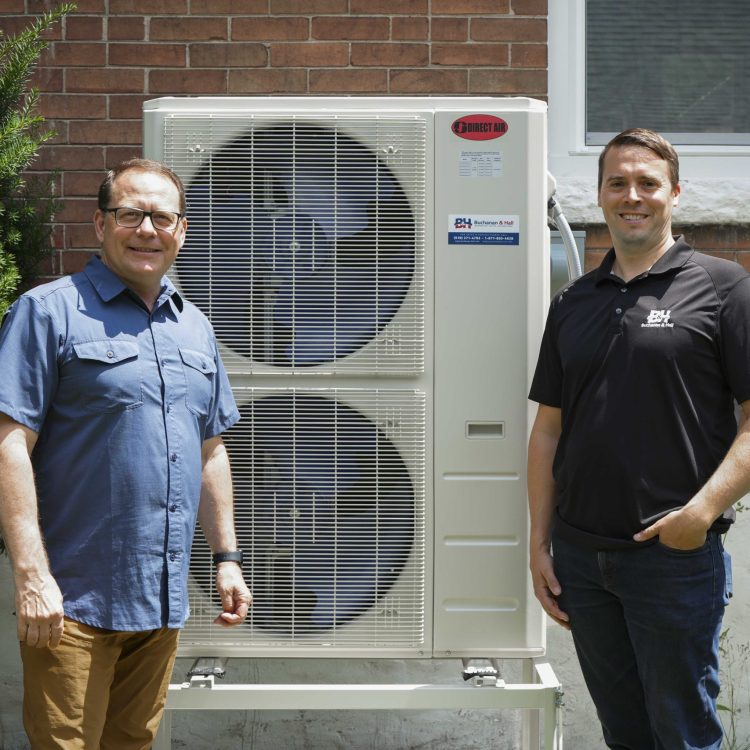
330	512
306	239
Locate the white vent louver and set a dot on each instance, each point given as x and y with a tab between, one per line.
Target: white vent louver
305	238
331	515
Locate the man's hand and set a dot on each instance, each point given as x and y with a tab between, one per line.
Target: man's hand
682	529
39	612
235	595
546	586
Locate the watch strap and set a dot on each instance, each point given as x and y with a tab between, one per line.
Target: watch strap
236	556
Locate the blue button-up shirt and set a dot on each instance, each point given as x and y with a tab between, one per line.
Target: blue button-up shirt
122	400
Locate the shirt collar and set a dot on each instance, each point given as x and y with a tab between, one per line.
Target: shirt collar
108	285
674	258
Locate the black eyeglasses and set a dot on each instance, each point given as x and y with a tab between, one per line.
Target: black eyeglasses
131	218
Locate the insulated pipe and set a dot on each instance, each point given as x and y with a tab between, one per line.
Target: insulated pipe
558	220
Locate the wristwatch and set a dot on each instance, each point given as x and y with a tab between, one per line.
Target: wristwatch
236	556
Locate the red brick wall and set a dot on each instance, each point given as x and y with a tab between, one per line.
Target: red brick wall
723	241
109	56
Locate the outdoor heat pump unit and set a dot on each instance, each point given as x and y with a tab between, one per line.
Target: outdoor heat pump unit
376	272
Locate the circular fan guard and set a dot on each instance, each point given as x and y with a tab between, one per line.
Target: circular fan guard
330	512
311	241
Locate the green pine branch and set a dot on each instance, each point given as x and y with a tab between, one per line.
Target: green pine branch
27	206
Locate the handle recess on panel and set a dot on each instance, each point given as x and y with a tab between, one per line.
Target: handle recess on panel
486	430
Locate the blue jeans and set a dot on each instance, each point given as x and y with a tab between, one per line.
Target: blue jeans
646	624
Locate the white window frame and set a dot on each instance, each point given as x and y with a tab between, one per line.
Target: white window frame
713	170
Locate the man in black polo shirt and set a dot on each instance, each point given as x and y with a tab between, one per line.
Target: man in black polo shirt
635	459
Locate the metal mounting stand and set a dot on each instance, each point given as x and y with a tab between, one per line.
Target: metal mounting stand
540	695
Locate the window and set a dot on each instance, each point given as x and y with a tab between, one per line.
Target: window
680	67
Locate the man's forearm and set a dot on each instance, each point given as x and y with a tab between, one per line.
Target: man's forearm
686	527
216	517
541	484
39	603
730	481
545	435
19	517
541	504
216	509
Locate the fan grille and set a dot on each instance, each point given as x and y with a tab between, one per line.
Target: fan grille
330	511
306	239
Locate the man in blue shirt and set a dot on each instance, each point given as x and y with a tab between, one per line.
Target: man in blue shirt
112	402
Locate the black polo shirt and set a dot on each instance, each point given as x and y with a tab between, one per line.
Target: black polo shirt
646	374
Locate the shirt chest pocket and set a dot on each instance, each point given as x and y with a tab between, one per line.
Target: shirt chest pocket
104	375
200	373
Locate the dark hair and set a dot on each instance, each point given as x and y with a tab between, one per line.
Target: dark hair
142	165
645	139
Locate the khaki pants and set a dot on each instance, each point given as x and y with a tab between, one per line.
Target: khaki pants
98	690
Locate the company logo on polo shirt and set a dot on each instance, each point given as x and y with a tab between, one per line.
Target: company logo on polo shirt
658	319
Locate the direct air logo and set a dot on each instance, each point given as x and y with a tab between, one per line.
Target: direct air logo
479	127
